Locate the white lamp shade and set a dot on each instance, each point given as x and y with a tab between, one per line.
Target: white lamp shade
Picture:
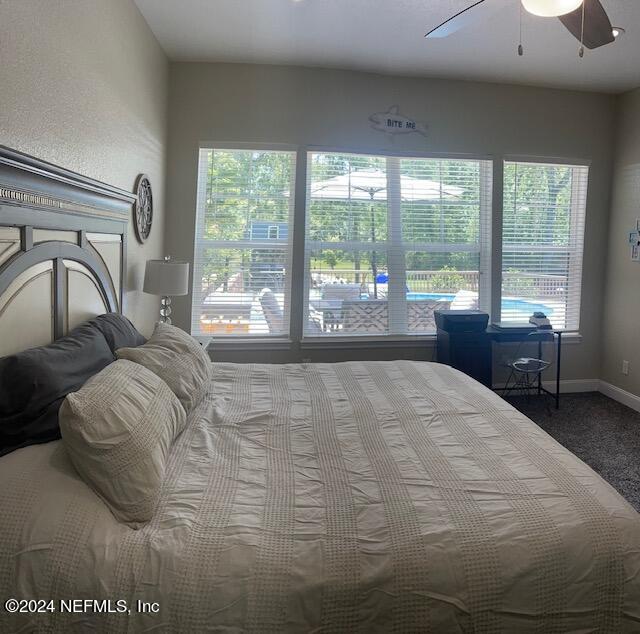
166	277
550	8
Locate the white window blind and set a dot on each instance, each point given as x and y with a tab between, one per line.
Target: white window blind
542	241
243	242
391	239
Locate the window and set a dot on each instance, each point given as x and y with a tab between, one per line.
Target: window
391	239
542	241
243	242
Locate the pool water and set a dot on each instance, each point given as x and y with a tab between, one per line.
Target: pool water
513	306
445	296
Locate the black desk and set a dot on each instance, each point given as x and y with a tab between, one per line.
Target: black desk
472	353
503	335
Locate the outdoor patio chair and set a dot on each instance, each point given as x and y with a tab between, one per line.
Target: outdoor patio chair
420	314
365	316
314	324
271	310
465	300
340	292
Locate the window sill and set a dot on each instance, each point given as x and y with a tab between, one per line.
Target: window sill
245	343
394	342
383	341
344	343
571	338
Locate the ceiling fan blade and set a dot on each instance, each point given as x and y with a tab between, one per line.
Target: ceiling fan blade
597	27
454	23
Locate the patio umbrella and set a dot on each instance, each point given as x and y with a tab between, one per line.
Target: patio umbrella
371	184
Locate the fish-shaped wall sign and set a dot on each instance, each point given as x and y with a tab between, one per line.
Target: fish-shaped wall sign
392	122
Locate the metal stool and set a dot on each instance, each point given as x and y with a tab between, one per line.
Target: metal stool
526	372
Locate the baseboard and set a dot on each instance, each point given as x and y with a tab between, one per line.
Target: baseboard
568	386
573	385
620	395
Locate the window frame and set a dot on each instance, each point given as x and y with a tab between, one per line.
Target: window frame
246	243
395	245
297	280
574	285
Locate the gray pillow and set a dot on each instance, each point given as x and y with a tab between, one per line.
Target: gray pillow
118	430
178	359
33	384
118	331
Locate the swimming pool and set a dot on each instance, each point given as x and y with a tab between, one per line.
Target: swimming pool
444	296
511	306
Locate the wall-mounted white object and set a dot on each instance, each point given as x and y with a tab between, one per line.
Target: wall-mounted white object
392	122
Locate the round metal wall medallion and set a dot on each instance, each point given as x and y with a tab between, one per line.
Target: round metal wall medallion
143	208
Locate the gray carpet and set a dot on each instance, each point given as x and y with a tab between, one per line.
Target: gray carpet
601	432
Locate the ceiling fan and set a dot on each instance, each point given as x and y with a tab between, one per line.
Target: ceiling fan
586	20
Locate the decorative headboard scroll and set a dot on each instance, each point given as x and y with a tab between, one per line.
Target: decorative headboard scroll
63	244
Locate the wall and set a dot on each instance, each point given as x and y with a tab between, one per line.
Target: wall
303	106
621	326
84	86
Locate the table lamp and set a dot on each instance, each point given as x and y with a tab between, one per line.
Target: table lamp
168	278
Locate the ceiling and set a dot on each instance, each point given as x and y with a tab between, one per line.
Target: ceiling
386	36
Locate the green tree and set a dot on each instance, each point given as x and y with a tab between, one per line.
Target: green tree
242	187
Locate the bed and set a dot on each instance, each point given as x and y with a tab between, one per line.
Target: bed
351	497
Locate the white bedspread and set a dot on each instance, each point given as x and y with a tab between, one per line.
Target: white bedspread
355	497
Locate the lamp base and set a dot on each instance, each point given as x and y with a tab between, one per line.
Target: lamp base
165	309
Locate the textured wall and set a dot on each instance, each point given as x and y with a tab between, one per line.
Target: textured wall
303	106
84	85
621	325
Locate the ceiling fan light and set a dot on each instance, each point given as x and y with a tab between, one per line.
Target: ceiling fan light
550	8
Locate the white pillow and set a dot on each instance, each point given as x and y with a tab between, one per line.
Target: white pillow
118	429
178	359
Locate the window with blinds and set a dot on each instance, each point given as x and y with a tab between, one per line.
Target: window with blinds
542	241
391	239
243	243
